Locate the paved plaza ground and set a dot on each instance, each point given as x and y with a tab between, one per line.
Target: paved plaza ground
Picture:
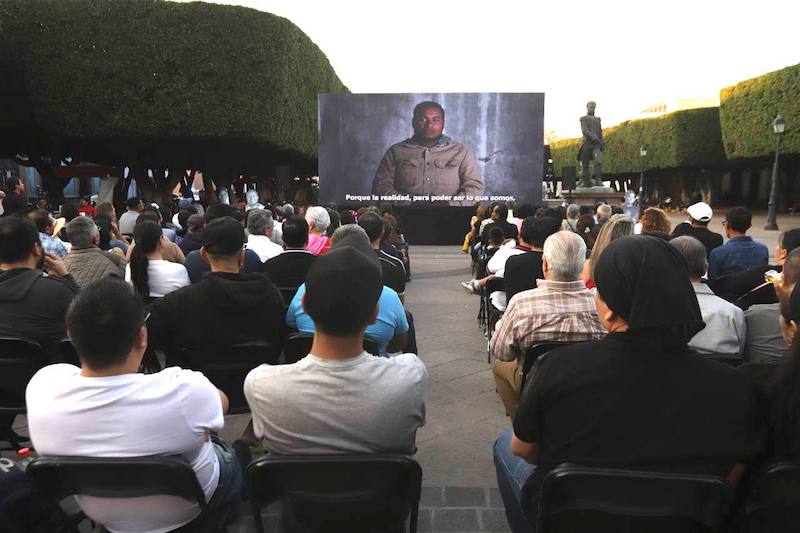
464	414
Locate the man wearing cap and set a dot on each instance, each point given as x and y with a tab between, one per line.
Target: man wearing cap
226	307
339	398
699	216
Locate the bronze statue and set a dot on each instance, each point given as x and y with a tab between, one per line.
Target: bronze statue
591	148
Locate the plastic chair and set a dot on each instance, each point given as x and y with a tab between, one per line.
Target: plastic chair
580	499
19	360
334	493
227	367
58	477
773	503
534	353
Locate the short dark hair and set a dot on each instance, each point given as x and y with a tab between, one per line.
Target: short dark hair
372	224
150	215
133	202
739	219
17	237
335	221
420	107
585	210
552	212
791	267
502	211
541	229
103	320
41	218
790	239
219	211
524	211
496	235
617	210
295	231
346	217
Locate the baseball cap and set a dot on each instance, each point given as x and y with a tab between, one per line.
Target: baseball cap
700	211
223	236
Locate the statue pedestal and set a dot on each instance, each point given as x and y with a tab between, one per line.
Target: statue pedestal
590	196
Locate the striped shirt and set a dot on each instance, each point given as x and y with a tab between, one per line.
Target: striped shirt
553	311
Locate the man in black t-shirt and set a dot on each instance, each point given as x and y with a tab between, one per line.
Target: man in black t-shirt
499	220
289	268
700	215
394	273
524	269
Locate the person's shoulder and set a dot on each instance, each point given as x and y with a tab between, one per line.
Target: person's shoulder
405	364
273	374
52	373
177	377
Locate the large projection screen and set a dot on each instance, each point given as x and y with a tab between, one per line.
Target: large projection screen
491	149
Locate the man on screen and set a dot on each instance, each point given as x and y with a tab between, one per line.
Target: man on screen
429	163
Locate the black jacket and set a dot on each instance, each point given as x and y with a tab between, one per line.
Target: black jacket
197	267
289	269
34	305
220	310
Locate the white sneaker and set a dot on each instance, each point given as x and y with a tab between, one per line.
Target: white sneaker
469	286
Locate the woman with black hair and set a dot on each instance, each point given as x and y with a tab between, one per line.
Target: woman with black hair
148	272
785	391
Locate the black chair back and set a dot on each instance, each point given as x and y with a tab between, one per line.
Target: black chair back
773	504
334	493
58	477
535	352
584	499
227	367
371	346
68	353
297	346
288	294
19	360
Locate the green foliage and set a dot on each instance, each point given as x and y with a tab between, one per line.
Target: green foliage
748	108
682	139
159	83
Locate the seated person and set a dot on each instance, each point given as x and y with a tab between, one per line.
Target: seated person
195	264
389	330
499	220
318	221
394	273
86	261
522	270
193	238
169	250
260	225
656	223
725	330
560	308
48	235
151	275
340	399
289	268
697	226
226	307
106	409
740	252
638	398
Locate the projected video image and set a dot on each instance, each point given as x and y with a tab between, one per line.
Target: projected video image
430	149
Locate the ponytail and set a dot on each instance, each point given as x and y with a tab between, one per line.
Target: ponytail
146	236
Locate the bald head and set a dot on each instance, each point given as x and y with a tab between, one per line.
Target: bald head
563	255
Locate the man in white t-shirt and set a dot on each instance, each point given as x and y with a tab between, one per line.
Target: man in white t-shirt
339	398
107	409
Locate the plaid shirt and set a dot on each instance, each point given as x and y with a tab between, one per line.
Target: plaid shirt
52	245
553	311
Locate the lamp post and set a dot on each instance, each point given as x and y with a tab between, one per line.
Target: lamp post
778	126
642	190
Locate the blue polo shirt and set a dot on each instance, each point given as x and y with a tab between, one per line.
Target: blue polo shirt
739	253
391	317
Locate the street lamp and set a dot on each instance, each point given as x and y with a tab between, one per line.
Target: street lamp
778	126
643	153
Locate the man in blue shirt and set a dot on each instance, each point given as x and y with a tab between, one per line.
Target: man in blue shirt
740	252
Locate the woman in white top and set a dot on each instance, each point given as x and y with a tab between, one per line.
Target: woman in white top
148	272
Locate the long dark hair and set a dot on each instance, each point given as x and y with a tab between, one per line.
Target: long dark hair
786	390
146	235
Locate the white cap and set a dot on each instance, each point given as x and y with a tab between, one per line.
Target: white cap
700	211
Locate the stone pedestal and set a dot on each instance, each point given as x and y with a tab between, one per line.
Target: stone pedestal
593	195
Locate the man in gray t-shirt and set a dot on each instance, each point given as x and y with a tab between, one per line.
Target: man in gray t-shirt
764	342
339	398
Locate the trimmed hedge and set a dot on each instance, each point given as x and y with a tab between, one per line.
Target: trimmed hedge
163	83
748	108
689	138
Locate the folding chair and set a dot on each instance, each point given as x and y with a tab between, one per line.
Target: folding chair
534	353
227	367
19	360
579	499
59	477
334	493
773	503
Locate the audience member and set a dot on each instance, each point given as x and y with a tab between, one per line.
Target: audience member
725	330
317	405
115	238
560	308
171	251
700	215
226	307
15	201
603	214
85	206
616	227
155	212
740	252
46	226
521	271
259	226
128	219
614	402
106	232
346	216
193	238
106	408
69	211
86	261
585	228
289	269
335	221
198	267
498	219
765	342
150	274
318	222
571	222
32	304
394	273
389	330
655	223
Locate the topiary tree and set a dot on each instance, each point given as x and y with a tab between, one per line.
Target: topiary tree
158	85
